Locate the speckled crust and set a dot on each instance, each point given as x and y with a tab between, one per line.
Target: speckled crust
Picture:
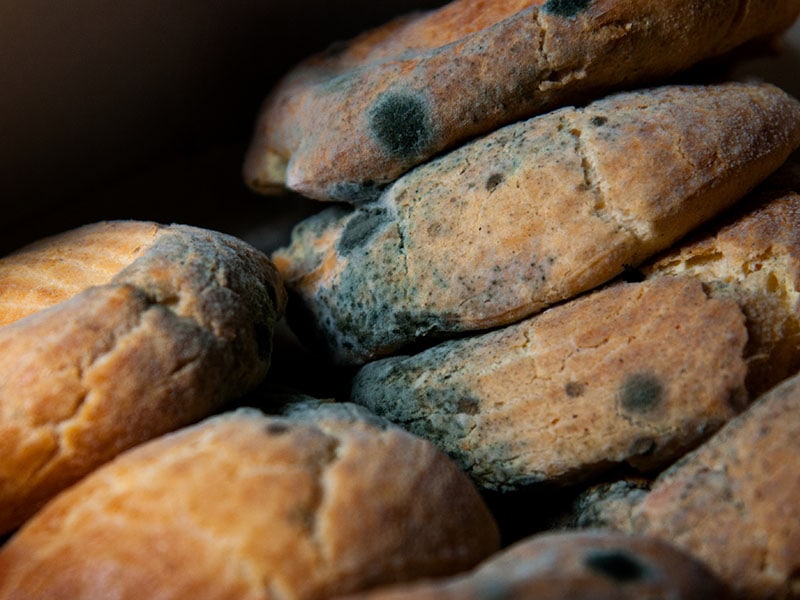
245	506
733	501
636	373
350	120
531	214
753	256
118	332
592	565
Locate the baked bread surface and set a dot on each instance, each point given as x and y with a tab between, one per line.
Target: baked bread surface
346	122
531	215
116	333
247	506
634	374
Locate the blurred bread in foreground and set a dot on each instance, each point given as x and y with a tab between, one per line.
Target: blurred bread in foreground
591	565
118	332
247	506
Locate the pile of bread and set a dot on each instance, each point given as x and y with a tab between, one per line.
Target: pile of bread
549	271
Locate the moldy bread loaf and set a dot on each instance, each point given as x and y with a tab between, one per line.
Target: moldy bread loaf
346	122
530	215
115	333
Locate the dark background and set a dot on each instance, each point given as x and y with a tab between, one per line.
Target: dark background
143	109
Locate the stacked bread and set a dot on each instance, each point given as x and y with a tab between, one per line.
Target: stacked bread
509	268
546	267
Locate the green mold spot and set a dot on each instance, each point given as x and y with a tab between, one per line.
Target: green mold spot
401	123
641	393
566	8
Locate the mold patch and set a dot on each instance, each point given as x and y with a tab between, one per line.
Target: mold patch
355	192
617	565
401	124
566	8
276	428
575	389
493	181
641	393
361	227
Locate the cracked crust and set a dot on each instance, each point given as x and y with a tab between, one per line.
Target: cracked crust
753	257
635	373
733	502
531	214
346	122
118	332
592	565
252	507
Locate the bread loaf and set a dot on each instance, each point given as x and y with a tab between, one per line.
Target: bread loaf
596	565
531	215
245	506
753	256
115	333
634	374
733	502
346	122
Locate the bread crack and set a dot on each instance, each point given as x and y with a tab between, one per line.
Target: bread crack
593	181
311	512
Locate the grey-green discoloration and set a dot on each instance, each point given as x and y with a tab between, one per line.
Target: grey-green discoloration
361	227
401	123
440	409
640	393
566	8
355	192
616	564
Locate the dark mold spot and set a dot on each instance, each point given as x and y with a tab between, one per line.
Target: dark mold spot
361	227
401	123
276	428
468	406
355	192
566	8
599	121
494	181
616	564
640	393
575	389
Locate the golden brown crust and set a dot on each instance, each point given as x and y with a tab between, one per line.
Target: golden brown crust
246	506
184	326
56	268
733	502
346	122
532	214
636	373
592	565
